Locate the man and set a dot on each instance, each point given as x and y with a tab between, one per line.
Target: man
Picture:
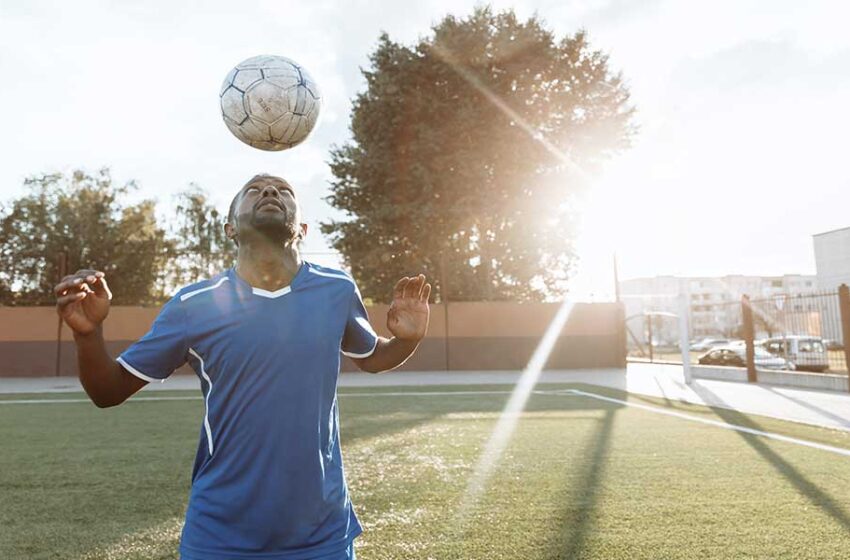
265	339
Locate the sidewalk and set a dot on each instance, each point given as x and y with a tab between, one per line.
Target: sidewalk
821	408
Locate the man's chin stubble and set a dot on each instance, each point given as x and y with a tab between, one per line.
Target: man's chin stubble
277	231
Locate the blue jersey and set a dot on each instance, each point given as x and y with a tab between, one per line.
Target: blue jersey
268	479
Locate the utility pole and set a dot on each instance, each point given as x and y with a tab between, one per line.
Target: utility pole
616	280
444	299
749	338
62	266
649	332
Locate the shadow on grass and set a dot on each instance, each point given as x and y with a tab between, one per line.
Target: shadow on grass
838	419
818	497
678	405
575	522
378	416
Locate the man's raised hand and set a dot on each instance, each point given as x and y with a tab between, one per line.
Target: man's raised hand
408	315
82	300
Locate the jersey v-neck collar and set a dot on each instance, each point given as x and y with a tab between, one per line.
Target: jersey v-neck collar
266	293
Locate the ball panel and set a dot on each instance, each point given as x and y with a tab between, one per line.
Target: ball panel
280	127
227	81
232	105
270	146
266	102
312	117
283	80
300	100
297	133
245	78
312	89
260	61
309	104
255	130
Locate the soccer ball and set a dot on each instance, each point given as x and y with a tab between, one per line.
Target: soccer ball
270	102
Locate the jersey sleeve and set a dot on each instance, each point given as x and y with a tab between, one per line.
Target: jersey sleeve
163	349
359	340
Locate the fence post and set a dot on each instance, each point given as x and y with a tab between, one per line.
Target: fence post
844	307
684	336
749	336
649	331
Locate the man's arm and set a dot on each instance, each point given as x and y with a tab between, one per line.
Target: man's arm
82	300
389	354
407	320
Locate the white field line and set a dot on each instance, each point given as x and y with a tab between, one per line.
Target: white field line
342	394
716	423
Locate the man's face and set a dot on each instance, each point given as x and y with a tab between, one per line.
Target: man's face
267	205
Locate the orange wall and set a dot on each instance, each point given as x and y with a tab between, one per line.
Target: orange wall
467	319
482	335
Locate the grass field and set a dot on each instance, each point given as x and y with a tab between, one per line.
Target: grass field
581	478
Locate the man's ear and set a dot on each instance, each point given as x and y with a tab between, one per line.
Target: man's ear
230	233
303	233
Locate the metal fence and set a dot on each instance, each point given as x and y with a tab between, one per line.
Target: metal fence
805	329
791	332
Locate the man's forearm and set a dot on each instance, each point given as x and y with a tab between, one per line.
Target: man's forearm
388	354
99	373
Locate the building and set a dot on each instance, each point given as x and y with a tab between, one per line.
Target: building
832	258
714	303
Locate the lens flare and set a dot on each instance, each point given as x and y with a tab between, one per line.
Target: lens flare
516	404
473	80
513	409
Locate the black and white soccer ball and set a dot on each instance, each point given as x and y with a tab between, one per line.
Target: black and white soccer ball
270	102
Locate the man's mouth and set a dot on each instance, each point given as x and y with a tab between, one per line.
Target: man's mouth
272	204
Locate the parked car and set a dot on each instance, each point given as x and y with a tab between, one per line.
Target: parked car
808	353
736	356
832	344
708	344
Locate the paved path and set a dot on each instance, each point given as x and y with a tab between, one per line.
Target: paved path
822	408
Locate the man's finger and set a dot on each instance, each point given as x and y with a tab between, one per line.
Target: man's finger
101	288
421	286
64	301
398	291
426	293
65	285
412	288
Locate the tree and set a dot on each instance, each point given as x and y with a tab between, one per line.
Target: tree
201	247
467	151
81	216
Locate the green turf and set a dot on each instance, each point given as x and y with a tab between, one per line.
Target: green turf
580	478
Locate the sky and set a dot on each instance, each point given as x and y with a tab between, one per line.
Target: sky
742	109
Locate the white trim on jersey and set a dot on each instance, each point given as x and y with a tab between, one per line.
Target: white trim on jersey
187	295
136	372
365	354
267	294
206	400
331	275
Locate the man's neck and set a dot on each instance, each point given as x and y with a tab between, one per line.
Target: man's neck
268	267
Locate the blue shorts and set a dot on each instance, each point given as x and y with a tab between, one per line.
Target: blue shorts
347	555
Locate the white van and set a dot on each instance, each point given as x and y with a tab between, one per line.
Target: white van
808	353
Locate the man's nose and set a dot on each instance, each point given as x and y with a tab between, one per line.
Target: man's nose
270	190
